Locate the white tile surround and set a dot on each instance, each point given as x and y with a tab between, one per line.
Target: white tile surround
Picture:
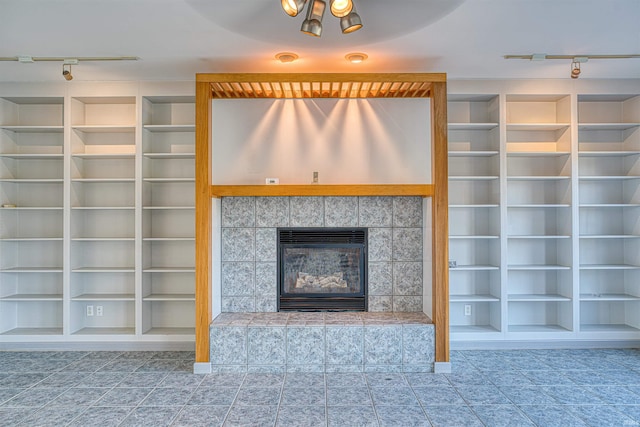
395	247
393	336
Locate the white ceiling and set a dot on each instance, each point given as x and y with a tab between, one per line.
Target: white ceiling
175	39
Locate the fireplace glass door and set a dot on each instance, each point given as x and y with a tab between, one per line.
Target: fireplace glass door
322	269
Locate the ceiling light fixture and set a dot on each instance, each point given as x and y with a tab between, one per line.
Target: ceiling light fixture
286	57
356	58
350	21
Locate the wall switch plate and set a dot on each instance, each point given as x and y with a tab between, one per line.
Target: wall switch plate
89	310
272	181
467	309
99	310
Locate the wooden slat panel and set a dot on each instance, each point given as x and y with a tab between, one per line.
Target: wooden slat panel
317	85
421	190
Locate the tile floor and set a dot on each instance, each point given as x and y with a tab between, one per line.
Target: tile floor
487	388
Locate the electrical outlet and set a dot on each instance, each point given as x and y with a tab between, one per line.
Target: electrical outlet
89	310
467	309
98	310
272	181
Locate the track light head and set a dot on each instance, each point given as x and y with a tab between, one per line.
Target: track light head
340	8
66	73
575	70
293	7
351	22
312	25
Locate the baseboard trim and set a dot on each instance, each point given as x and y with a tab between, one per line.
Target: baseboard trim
99	346
442	368
202	368
543	345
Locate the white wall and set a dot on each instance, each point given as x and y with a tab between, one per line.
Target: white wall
357	141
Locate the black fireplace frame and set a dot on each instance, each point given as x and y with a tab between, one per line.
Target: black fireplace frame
320	237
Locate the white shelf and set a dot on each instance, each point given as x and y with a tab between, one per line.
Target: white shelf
169	297
105	331
473	153
474	268
537	126
33	180
538	237
103	239
170	156
537	267
169	239
189	332
538	153
33	331
102	208
32	297
472	237
472	298
607	126
31	270
474	329
539	205
94	180
609	267
608	328
33	208
104	155
104	297
609	236
31	239
168	208
169	179
103	270
170	128
608	297
169	270
33	129
537	328
105	128
608	178
608	153
537	298
537	178
33	156
474	206
472	126
610	205
473	178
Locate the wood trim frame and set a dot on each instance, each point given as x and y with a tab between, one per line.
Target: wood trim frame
208	87
203	220
421	190
440	220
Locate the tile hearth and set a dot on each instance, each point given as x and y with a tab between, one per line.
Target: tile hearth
322	342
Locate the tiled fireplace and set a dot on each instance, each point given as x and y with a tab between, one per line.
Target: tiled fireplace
393	335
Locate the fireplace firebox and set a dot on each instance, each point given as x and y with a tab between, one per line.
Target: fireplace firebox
322	269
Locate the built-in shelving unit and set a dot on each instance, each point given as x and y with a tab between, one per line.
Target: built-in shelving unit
168	227
474	219
97	217
31	215
609	162
544	216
